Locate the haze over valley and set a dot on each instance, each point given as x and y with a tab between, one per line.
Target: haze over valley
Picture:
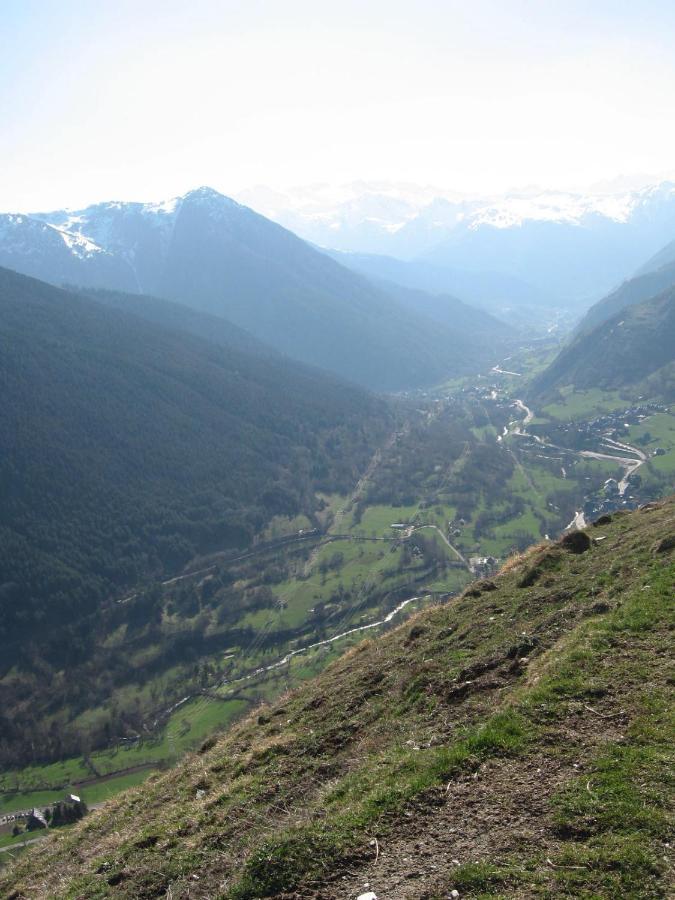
337	520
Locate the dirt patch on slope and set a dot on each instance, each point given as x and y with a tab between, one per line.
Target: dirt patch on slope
501	808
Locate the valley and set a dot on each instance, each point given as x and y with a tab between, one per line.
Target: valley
337	451
471	474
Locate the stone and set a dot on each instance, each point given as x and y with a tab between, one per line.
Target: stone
603	520
666	544
576	542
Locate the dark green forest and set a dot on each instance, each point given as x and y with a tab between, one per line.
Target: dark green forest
127	448
635	344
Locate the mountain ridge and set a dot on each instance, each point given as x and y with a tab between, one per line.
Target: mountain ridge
643	286
493	291
620	351
209	252
573	246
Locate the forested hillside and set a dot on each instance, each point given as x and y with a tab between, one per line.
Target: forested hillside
178	317
127	448
636	290
632	345
483	287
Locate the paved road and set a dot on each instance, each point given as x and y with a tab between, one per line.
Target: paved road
629	464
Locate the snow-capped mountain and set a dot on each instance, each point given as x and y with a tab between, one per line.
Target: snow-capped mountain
362	217
574	246
579	249
569	248
120	245
36	247
392	207
208	252
136	233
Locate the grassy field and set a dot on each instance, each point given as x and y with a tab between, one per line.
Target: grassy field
90	793
186	728
657	430
534	484
577	404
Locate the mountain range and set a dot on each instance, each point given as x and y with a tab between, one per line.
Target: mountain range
570	246
655	276
511	299
214	255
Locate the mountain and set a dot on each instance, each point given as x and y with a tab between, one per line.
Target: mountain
129	447
575	261
42	250
501	294
573	247
211	253
665	257
633	291
653	277
363	217
619	352
452	313
512	742
177	317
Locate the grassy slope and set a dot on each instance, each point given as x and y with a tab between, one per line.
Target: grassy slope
515	742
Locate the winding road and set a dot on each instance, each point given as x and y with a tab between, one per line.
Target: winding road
630	464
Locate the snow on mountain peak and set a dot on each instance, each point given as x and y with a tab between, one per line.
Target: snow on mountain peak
406	220
80	245
208	196
164	207
561	207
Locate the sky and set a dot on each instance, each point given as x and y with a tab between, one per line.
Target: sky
146	100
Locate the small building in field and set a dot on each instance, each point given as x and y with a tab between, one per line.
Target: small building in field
36	820
483	565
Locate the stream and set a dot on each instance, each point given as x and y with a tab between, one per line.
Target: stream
282	662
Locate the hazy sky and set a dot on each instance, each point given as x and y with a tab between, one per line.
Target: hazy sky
146	99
